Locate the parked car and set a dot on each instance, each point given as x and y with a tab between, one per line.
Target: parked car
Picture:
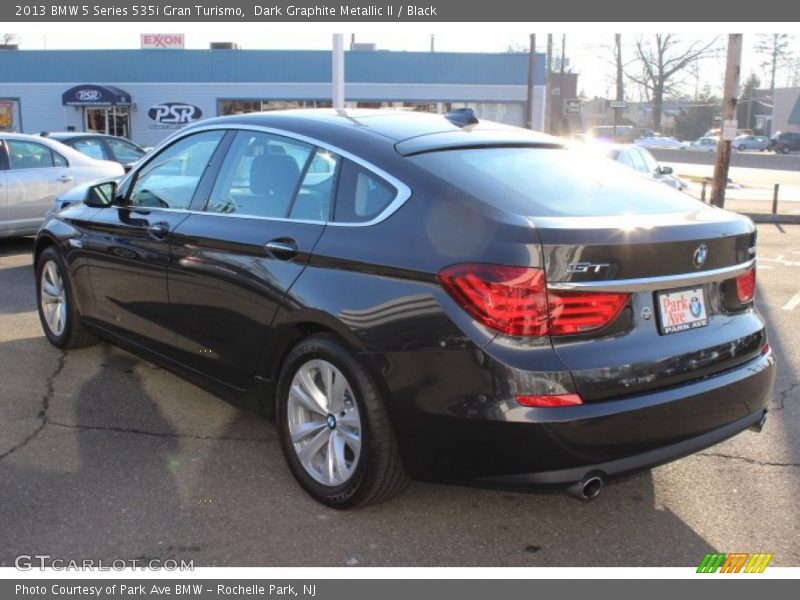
784	143
33	172
659	142
640	159
703	144
424	296
100	146
751	142
622	134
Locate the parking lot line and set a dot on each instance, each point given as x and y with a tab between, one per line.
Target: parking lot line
793	302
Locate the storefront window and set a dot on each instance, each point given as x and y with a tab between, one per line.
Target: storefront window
239	107
9	115
511	113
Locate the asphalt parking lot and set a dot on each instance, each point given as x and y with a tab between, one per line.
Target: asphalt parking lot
103	455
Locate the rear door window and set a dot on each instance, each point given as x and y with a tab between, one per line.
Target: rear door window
260	175
91	148
552	182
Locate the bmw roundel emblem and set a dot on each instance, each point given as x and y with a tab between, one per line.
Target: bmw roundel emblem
700	255
695	307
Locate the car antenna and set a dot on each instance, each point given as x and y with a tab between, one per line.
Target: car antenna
461	117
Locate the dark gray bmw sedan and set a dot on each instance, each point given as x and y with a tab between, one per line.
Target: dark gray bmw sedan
418	295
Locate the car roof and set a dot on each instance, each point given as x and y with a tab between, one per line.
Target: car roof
65	135
428	130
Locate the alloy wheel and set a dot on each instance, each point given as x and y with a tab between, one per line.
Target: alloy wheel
324	422
53	298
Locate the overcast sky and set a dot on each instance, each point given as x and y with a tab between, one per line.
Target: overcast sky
588	51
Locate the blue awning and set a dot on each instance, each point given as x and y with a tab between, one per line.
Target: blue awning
95	95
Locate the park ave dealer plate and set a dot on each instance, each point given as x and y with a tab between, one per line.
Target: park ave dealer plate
682	310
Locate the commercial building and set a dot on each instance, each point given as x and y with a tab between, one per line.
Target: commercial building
786	110
146	94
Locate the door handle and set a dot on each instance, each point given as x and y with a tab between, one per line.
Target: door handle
66	178
159	230
283	248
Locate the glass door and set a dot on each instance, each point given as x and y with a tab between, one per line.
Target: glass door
111	121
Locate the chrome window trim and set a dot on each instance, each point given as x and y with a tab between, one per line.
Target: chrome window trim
402	191
650	284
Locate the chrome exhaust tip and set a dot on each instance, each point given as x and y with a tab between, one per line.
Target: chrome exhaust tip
587	488
757	427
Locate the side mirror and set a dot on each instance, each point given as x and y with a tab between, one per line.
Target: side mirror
101	195
665	170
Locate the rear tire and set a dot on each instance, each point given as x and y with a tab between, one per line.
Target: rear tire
58	311
334	428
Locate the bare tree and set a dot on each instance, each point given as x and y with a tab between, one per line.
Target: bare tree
660	63
776	50
8	38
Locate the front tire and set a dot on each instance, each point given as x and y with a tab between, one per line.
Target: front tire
334	428
55	299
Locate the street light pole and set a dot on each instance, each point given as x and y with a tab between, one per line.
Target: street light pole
729	100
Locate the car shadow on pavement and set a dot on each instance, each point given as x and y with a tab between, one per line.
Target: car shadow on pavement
135	463
16	245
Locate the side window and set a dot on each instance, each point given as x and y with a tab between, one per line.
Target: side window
638	161
28	155
170	178
125	152
650	163
58	160
361	195
624	159
91	148
313	199
259	176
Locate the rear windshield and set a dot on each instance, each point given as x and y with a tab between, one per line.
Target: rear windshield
553	182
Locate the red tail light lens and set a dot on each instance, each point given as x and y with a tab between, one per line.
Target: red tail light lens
746	286
578	313
511	300
515	301
550	401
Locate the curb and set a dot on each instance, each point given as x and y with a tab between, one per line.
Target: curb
769	218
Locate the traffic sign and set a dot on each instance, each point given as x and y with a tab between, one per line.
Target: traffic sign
572	107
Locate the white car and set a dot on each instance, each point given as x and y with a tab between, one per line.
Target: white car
703	144
640	159
33	172
658	142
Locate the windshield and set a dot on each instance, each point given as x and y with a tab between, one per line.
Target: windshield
553	182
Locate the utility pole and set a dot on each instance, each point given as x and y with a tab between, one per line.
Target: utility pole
620	83
531	81
433	42
548	86
729	125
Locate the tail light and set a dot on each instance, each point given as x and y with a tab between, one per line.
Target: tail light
515	301
746	286
550	401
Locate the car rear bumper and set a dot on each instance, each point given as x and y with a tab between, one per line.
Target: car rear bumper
636	462
498	442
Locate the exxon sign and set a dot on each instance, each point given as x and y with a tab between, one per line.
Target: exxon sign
174	114
157	41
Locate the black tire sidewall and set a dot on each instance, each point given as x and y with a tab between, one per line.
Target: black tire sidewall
321	347
50	254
